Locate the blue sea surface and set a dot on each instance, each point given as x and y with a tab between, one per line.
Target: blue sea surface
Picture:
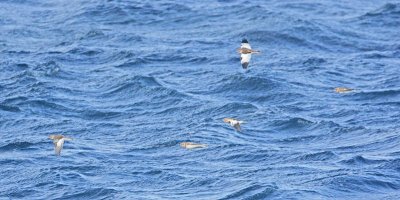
130	80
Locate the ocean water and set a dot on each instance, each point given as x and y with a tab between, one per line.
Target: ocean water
130	80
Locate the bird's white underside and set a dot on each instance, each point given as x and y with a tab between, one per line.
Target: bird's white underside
246	45
245	58
59	146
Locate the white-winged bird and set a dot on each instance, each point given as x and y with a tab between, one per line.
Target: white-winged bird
245	53
234	123
58	141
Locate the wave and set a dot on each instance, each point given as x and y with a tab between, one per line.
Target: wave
255	191
176	56
293	123
319	156
131	85
92	193
44	106
360	183
386	16
391	164
234	108
16	145
360	160
9	108
385	94
240	83
283	39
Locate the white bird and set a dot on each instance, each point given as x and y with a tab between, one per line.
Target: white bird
245	53
234	123
343	90
191	145
58	141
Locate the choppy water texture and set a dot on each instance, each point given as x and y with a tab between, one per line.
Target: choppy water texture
130	80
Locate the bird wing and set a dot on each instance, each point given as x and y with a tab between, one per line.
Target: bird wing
58	146
245	60
237	127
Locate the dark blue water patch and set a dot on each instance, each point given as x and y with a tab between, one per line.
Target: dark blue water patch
176	56
283	40
9	108
385	16
21	193
240	83
43	106
319	156
389	140
292	124
314	61
50	68
365	184
298	139
85	52
136	62
378	55
95	193
391	164
253	192
242	157
17	146
234	109
131	85
279	97
360	161
99	114
385	95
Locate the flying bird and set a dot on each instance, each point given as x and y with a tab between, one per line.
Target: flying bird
191	145
58	141
343	90
234	123
245	53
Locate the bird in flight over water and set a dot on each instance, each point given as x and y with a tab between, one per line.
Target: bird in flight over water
192	145
234	123
343	90
245	53
58	141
